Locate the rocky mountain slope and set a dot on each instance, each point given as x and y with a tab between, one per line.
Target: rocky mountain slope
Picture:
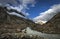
52	26
11	23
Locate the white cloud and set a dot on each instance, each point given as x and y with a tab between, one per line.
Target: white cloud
13	13
19	7
27	14
26	2
47	15
4	2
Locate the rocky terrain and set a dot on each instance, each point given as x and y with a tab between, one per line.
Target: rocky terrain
52	26
12	23
12	26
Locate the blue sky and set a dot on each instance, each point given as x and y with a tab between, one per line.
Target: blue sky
41	6
25	7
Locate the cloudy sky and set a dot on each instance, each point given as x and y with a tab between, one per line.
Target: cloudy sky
34	9
41	6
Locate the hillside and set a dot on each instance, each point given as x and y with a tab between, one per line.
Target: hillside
52	26
12	23
11	26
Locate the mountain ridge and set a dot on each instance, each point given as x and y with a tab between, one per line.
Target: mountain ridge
12	23
51	27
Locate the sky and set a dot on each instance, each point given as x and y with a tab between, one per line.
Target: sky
41	6
35	9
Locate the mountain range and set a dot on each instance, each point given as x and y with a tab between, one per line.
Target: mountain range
15	24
